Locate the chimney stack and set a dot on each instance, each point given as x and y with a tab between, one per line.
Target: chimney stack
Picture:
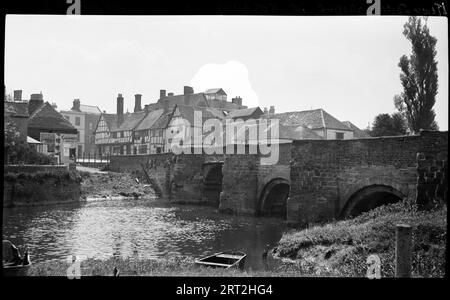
237	100
188	90
119	110
76	105
162	94
170	94
54	105
146	107
266	112
137	103
36	100
272	111
18	95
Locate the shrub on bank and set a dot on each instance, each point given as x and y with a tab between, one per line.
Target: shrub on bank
341	248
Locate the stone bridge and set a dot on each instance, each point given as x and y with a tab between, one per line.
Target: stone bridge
313	181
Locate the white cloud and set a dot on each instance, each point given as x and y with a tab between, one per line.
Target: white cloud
231	76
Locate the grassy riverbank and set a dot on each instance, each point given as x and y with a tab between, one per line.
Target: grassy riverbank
110	184
341	248
175	266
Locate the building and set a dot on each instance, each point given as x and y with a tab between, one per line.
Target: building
319	121
16	115
114	132
84	118
357	133
147	130
148	139
186	122
48	126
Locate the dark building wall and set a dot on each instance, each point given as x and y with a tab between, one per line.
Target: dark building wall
89	133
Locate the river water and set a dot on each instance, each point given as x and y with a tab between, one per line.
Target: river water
146	228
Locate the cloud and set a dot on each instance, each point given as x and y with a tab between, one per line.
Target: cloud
231	76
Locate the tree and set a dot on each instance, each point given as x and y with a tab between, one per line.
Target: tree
388	125
418	77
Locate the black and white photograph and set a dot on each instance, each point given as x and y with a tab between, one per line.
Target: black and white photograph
225	146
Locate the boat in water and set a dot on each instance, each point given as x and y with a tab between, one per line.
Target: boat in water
13	264
225	259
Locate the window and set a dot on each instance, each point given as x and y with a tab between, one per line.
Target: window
114	135
77	121
90	126
339	135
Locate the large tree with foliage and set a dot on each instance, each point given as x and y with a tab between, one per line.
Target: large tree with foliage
388	125
418	77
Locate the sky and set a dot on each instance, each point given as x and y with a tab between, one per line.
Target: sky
347	66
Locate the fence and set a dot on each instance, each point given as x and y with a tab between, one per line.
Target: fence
95	158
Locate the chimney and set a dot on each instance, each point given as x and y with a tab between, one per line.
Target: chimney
137	103
18	95
76	105
266	112
146	109
162	94
166	105
237	100
272	111
36	100
170	94
54	105
188	90
119	110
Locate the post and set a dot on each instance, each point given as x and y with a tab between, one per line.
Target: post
403	246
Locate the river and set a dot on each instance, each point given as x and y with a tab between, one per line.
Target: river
146	228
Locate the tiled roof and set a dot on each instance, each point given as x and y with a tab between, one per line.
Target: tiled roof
16	109
298	132
242	113
150	119
313	119
162	121
90	109
187	112
111	120
357	133
214	91
46	117
130	121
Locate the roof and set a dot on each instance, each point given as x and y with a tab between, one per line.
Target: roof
313	119
46	117
190	99
214	91
30	140
150	119
298	132
130	121
188	113
16	109
357	133
111	120
90	109
242	113
162	121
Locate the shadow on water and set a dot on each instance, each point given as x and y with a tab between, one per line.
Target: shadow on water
139	228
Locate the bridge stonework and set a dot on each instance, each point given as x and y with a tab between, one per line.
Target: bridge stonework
324	179
326	174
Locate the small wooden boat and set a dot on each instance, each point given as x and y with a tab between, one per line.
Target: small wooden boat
226	260
13	264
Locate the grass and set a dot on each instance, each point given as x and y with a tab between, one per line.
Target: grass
341	248
174	266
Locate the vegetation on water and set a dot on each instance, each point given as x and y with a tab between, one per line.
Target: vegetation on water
341	248
41	176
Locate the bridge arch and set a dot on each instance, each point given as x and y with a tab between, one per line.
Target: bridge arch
212	183
370	197
273	198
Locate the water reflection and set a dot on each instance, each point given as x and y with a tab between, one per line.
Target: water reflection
142	228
